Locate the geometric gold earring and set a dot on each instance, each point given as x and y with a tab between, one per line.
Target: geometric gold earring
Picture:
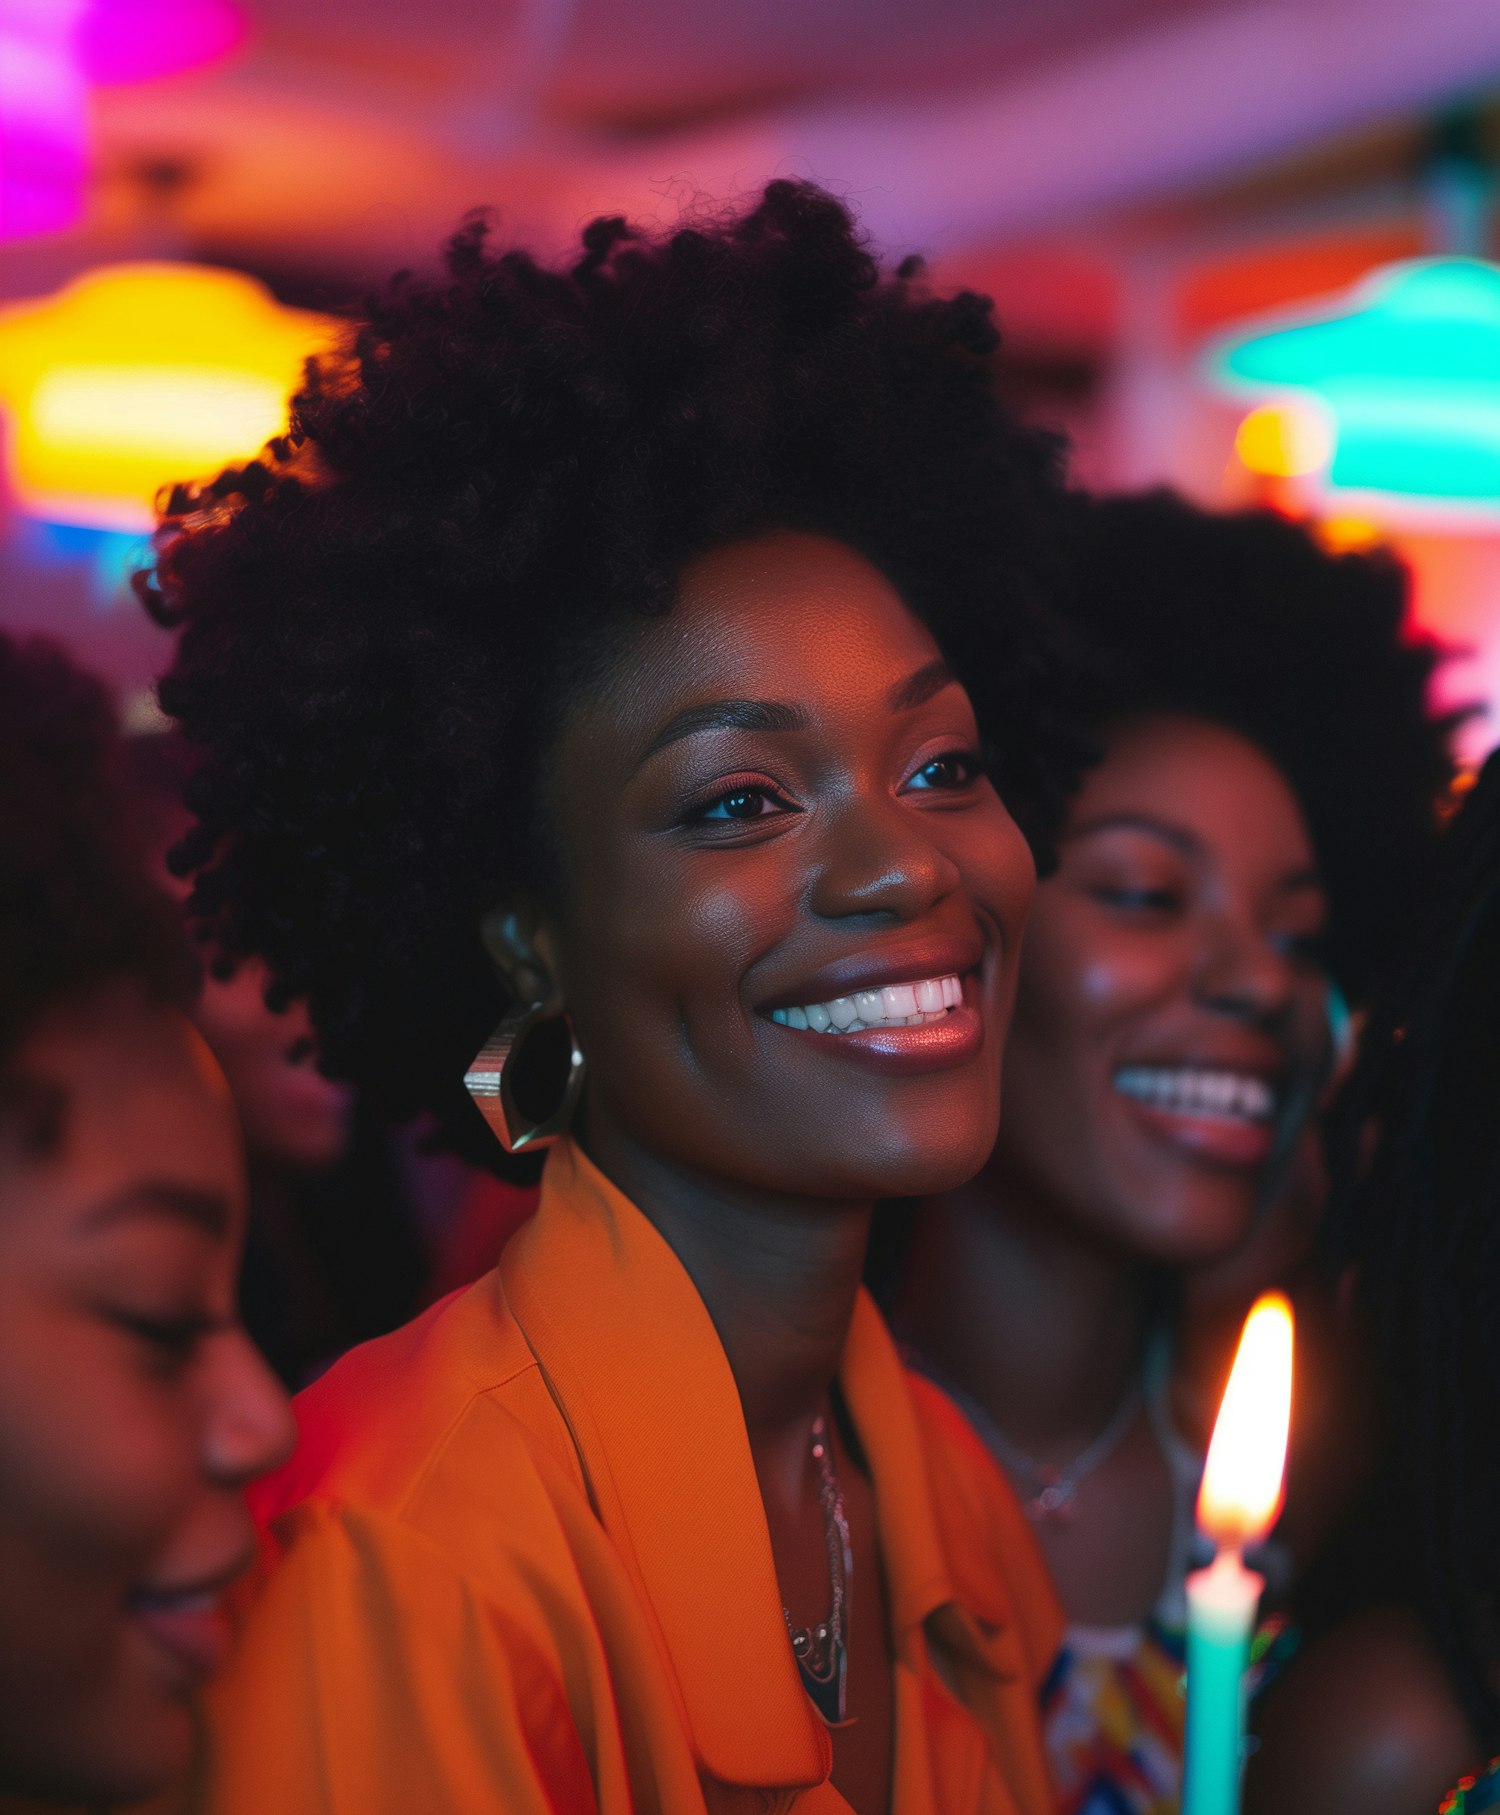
527	1077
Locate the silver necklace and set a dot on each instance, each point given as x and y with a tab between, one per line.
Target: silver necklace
1055	1484
821	1651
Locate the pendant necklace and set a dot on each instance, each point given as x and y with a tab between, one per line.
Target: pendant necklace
1055	1485
822	1651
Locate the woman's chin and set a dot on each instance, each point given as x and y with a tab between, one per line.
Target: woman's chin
118	1769
1198	1230
918	1169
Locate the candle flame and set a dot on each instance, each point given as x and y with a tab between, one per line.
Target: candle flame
1243	1480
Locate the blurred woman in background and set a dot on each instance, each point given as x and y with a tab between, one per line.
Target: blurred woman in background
1251	840
133	1409
594	659
1398	1694
335	1252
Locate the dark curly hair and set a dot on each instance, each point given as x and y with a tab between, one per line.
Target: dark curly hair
1420	1221
385	617
1246	620
76	908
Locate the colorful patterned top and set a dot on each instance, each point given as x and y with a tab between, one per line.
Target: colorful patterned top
1470	1795
1112	1717
1113	1714
1113	1707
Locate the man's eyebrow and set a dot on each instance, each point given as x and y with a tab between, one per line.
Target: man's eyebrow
204	1210
922	686
726	715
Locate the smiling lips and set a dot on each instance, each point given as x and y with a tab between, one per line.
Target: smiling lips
1215	1113
898	1028
896	1005
191	1626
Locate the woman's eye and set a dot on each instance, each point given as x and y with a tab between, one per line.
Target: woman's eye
955	769
741	803
1139	900
171	1340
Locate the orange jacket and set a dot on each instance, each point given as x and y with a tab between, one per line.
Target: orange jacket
523	1566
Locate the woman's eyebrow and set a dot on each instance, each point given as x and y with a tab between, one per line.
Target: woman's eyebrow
1181	839
1177	836
922	686
726	715
206	1211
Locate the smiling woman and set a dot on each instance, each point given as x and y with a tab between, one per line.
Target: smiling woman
1251	841
132	1408
601	657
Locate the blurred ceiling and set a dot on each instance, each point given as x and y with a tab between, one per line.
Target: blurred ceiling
1122	174
350	135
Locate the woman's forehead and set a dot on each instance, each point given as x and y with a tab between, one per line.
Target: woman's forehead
773	619
1197	775
127	1071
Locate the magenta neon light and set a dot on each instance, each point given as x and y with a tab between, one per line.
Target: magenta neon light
43	117
137	40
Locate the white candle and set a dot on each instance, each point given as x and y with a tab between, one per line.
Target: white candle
1239	1501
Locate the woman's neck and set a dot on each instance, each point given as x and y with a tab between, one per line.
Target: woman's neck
1041	1325
778	1276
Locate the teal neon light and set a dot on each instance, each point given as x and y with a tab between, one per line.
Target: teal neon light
1409	371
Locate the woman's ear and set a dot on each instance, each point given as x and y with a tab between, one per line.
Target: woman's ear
520	944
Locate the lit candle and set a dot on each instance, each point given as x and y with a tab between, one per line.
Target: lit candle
1237	1504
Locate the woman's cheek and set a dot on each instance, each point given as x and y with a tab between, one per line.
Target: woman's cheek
99	1476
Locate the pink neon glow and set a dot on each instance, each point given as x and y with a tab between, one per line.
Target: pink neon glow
136	40
43	123
50	51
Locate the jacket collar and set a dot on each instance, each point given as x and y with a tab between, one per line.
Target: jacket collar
637	1370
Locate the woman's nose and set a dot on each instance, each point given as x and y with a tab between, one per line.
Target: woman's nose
878	858
250	1428
1240	971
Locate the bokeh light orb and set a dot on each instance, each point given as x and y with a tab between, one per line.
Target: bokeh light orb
136	376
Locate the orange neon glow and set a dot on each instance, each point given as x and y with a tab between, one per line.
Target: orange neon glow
135	376
1284	441
1348	535
1244	1478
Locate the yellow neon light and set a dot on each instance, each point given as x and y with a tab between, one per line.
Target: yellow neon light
136	376
1284	441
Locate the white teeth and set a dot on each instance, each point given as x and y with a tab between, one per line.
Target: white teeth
1197	1090
899	1000
896	1005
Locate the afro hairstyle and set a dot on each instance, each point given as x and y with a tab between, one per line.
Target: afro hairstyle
1245	620
76	906
384	618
